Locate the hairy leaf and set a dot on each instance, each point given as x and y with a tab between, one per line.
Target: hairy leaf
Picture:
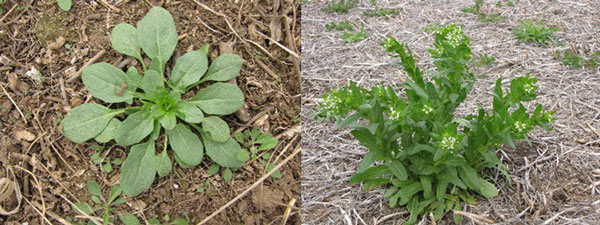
135	128
224	68
224	154
219	99
162	164
109	132
86	121
124	40
188	70
157	36
106	82
217	128
188	112
186	144
137	172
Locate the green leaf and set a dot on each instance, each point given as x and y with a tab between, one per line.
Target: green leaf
487	189
367	161
109	131
115	192
64	4
157	35
213	169
227	175
224	68
94	188
224	154
83	207
168	120
186	144
217	129
129	219
107	167
181	163
276	174
86	121
469	176
426	184
188	112
162	164
180	221
370	173
219	99
398	169
243	155
106	82
155	130
135	128
124	40
266	141
96	158
134	79
188	70
153	84
137	172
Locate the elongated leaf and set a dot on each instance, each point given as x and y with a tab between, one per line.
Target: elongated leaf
426	184
129	219
134	79
86	121
124	40
162	164
188	112
115	191
109	132
188	70
367	161
83	207
407	192
168	120
398	169
452	179
224	68
135	128
219	99
153	84
487	189
94	188
370	173
224	154
217	128
157	35
469	176
106	82
137	172
186	144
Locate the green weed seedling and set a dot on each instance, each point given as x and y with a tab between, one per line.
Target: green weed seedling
342	6
100	203
152	107
381	12
528	31
64	4
341	26
485	60
474	9
356	36
130	219
426	158
577	61
106	163
256	142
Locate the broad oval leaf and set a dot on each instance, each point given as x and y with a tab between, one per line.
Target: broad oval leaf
134	79
217	128
124	40
65	5
224	68
162	164
188	70
157	35
137	172
188	112
487	189
219	99
168	120
224	154
109	131
86	121
94	188
129	219
135	128
186	144
153	84
106	82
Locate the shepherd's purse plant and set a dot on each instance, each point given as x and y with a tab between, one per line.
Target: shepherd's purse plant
427	158
152	106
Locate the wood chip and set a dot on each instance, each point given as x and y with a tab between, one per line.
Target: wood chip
24	135
57	44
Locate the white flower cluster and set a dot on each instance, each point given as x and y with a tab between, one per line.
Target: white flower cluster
520	126
395	115
427	109
455	37
332	102
528	88
448	143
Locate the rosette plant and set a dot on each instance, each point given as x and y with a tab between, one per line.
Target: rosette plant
152	106
427	158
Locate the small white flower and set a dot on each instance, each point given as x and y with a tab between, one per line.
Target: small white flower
395	115
331	102
427	109
520	126
448	143
528	88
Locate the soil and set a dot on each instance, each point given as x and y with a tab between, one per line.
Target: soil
52	171
555	177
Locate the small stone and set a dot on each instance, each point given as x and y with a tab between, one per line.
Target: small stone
58	43
24	135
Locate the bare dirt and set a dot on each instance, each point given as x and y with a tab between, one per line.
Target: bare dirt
555	178
50	170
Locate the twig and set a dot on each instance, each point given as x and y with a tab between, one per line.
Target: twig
84	215
51	214
39	187
258	182
9	11
266	68
288	210
474	217
104	2
280	45
92	60
14	103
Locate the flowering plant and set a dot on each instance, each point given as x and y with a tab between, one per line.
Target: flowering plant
426	158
